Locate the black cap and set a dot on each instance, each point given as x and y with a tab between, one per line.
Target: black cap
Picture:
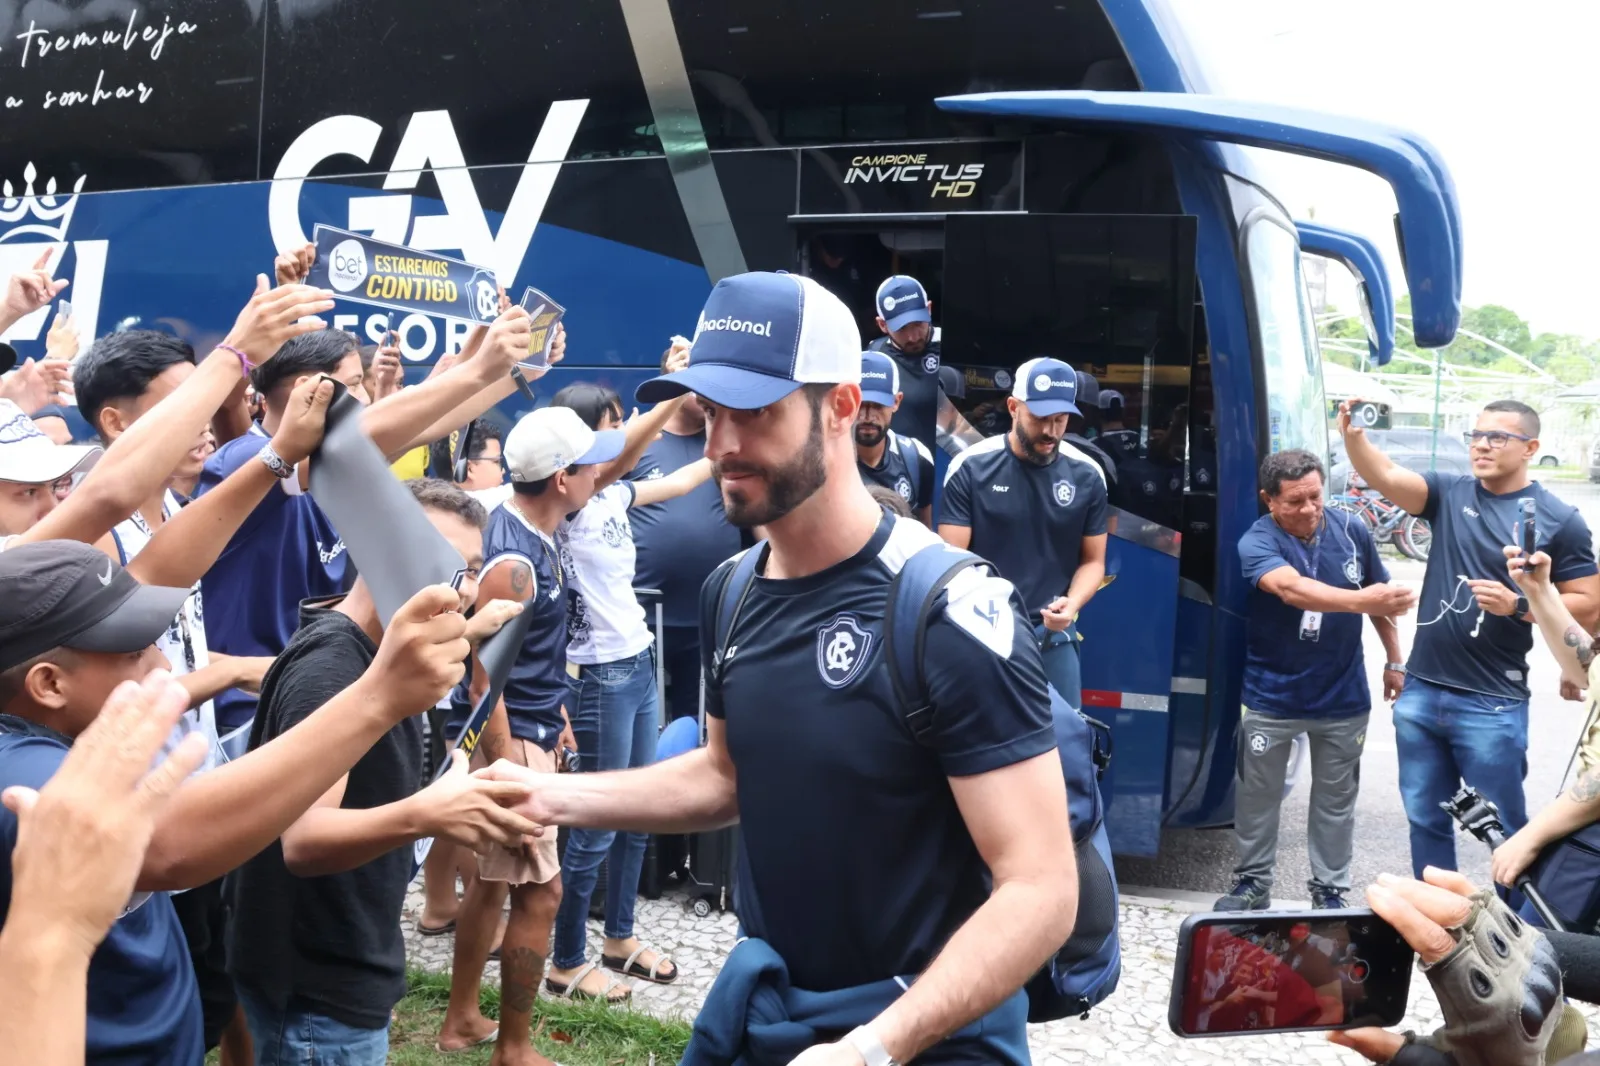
63	594
8	357
953	382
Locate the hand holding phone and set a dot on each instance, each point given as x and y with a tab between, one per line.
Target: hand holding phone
1288	972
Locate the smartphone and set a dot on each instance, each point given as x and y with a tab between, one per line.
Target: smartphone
1526	508
1289	971
66	308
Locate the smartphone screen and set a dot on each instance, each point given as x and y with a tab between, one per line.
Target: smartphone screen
1288	972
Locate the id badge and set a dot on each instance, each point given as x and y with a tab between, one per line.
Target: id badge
1311	625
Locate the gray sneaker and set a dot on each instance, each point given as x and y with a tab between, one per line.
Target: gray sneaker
1247	894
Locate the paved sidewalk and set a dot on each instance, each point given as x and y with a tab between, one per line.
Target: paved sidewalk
1130	1027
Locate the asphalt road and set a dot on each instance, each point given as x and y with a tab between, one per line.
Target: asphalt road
1201	861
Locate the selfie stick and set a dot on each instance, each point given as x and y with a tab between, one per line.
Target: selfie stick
1482	819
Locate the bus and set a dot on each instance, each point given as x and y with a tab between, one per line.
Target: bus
1054	172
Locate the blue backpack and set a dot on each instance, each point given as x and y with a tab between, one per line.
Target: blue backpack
1086	969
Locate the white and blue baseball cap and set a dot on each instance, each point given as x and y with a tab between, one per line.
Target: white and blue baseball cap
553	438
1047	387
880	379
901	301
761	337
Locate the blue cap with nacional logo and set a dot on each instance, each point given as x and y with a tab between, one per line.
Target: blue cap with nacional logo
761	336
901	301
1047	387
880	379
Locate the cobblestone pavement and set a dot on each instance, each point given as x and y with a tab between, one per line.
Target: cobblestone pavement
1131	1027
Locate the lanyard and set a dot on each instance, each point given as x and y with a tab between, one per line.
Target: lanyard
1309	555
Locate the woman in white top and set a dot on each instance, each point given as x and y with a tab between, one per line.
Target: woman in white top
614	708
1575	650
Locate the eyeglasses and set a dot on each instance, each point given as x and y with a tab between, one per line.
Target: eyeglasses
1494	438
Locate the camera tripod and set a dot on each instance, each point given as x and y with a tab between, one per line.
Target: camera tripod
1482	819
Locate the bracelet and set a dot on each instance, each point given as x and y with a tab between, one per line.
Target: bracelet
245	365
275	462
1398	668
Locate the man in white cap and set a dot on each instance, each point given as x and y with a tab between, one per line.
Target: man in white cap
915	883
905	315
552	458
1036	506
31	466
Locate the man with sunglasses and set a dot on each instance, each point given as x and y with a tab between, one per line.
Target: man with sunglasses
1464	713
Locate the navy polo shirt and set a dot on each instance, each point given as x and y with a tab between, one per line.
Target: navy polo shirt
286	551
1471	528
537	685
143	1004
919	387
855	863
679	542
914	483
1028	520
1284	675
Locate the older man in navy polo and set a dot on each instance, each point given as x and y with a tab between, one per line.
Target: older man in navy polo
1035	506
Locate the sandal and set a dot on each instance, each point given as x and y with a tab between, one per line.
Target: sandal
574	989
436	930
631	967
491	1038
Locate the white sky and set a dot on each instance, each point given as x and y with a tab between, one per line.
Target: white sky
1506	92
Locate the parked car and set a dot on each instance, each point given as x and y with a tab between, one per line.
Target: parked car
1409	448
1594	460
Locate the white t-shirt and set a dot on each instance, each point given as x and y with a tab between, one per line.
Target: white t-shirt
605	622
184	642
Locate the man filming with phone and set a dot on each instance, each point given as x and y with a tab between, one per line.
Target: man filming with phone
1464	713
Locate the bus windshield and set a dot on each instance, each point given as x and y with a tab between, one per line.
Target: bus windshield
1290	360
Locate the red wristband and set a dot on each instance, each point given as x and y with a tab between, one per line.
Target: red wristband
245	365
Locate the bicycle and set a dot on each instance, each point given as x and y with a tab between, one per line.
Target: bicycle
1388	523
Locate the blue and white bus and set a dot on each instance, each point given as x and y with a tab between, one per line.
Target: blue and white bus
1054	171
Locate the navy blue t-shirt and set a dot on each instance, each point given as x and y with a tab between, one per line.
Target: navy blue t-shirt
143	1004
679	542
1471	528
855	863
285	552
919	388
1028	520
913	483
1283	674
537	686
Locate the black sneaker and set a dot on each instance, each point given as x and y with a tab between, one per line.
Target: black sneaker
1327	899
1247	894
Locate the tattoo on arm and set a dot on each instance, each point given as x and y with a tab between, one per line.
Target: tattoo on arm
520	577
1586	789
1581	643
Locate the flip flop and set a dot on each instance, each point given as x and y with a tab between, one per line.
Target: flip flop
630	966
491	1038
436	930
574	989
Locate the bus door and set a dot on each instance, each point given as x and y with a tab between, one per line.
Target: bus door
1113	295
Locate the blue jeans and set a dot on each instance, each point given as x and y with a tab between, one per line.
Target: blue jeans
614	713
1061	666
1445	738
297	1037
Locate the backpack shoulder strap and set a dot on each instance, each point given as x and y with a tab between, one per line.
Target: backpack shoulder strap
731	601
909	454
905	625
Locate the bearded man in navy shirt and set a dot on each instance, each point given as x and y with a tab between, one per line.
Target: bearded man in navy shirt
874	868
1464	713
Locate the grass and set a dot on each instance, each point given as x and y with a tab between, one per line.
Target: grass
575	1034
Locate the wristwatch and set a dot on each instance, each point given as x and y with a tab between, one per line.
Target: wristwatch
1522	607
864	1040
280	469
1398	668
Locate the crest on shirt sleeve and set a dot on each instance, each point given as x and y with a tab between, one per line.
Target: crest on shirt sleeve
843	647
980	606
